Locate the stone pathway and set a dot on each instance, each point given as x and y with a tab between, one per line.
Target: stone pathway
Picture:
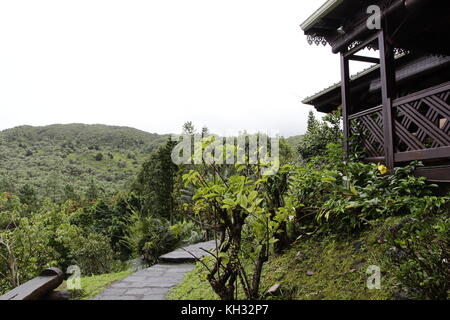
155	282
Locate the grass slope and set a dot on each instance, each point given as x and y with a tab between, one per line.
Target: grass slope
93	285
316	268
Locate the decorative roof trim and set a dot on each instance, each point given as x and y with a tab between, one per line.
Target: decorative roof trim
317	40
325	9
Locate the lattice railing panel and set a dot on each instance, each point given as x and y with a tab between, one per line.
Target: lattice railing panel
367	132
421	127
423	123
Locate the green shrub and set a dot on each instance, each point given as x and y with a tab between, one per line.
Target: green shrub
26	246
108	217
149	237
187	232
344	196
320	134
92	253
47	239
421	256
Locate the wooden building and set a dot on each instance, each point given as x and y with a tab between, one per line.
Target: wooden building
398	109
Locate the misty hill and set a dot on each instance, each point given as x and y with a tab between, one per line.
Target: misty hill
52	158
294	141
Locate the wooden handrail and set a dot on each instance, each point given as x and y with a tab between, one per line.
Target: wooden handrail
37	288
421	94
406	99
365	112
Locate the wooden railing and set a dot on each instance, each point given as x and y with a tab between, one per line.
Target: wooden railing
38	288
421	127
367	128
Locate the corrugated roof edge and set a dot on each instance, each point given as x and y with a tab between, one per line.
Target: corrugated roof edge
338	84
358	75
326	8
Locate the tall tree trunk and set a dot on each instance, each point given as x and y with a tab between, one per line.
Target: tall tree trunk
262	258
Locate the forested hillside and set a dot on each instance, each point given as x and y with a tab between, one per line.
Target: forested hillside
294	141
58	159
100	198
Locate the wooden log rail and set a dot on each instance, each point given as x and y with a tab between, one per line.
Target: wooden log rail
38	288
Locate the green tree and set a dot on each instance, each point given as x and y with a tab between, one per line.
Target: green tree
52	187
92	192
7	184
320	134
188	128
287	153
205	132
155	183
99	157
312	122
69	193
28	196
244	218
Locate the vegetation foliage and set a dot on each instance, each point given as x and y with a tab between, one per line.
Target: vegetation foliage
61	161
326	195
98	197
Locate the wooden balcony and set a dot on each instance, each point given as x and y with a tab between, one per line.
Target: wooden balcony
420	131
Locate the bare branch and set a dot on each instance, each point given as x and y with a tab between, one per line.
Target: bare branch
197	259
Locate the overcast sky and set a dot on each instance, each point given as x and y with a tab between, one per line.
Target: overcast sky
154	64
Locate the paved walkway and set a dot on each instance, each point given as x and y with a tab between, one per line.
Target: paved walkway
155	282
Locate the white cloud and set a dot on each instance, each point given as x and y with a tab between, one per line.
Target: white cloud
235	64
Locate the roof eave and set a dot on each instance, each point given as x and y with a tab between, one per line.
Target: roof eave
360	74
325	9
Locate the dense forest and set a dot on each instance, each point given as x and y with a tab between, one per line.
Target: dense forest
100	197
57	159
91	195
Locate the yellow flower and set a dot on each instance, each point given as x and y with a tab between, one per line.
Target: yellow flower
382	169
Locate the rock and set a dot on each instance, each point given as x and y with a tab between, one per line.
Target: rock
395	229
358	264
358	245
401	295
137	264
309	273
398	227
397	253
380	238
274	290
59	295
300	255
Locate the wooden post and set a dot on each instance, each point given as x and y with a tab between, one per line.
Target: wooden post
387	76
346	103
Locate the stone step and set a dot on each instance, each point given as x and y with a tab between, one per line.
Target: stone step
154	283
148	284
189	254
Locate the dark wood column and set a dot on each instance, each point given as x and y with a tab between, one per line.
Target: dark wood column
346	102
387	77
